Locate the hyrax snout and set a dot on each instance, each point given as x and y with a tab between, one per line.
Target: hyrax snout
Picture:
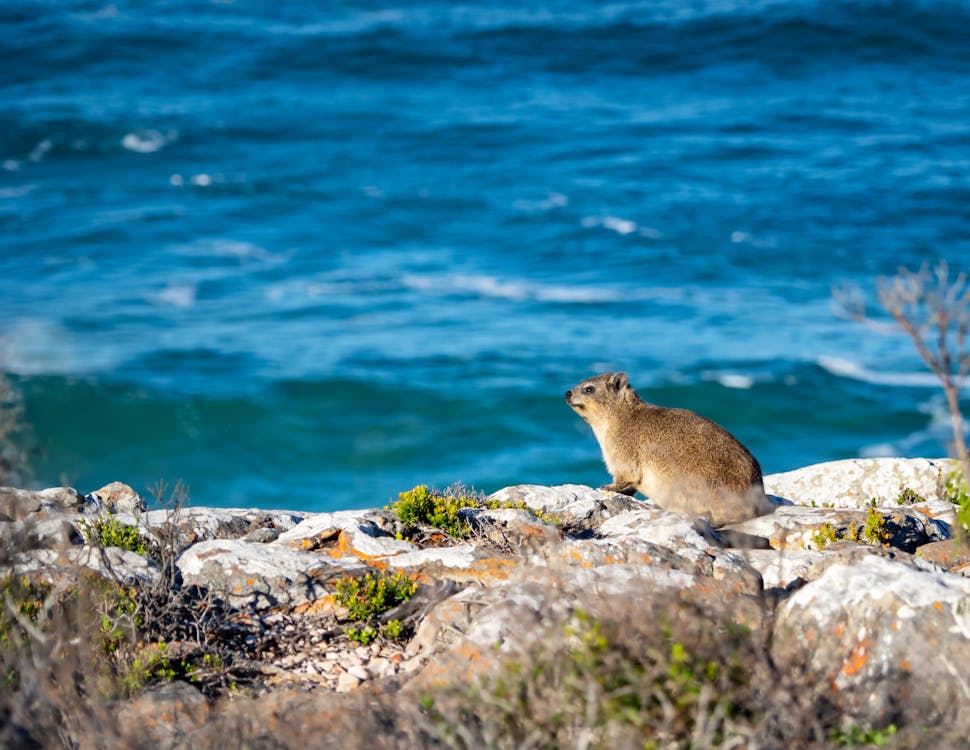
680	460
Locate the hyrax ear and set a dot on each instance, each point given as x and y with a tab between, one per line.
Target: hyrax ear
619	381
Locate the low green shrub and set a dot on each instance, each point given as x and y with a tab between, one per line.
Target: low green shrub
108	531
433	508
374	594
873	531
442	509
856	737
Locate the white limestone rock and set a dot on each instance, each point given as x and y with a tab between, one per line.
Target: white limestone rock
573	505
876	630
262	576
797	526
852	483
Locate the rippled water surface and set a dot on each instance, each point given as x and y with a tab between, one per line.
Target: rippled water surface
311	256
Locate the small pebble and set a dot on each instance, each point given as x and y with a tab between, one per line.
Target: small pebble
347	682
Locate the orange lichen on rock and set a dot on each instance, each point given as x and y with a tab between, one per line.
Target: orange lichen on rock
858	658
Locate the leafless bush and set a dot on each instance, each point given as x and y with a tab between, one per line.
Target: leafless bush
75	645
933	308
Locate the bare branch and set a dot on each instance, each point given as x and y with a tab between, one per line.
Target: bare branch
933	309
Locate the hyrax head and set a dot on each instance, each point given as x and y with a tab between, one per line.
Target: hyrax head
598	397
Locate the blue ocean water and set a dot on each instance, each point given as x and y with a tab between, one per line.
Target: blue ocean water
309	255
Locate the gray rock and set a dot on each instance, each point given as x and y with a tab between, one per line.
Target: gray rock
782	568
321	528
574	506
464	562
890	640
19	505
798	526
674	530
852	483
262	535
50	533
509	527
116	497
262	576
117	564
197	524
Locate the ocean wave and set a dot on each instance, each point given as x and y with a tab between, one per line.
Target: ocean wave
148	141
515	290
845	368
620	226
176	295
34	346
227	248
937	432
734	380
550	202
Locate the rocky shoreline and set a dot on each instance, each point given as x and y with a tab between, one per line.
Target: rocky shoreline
856	582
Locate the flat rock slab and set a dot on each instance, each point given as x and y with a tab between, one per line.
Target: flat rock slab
19	505
651	524
117	564
470	632
953	555
510	527
798	527
782	568
318	529
198	524
891	640
464	562
263	576
572	505
854	482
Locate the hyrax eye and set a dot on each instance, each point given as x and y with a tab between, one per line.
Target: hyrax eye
589	390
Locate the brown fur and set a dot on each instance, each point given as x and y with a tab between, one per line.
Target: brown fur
679	459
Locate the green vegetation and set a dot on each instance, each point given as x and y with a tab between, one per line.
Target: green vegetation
873	531
855	736
107	531
955	491
908	496
366	635
154	663
370	597
442	509
20	598
374	594
826	534
610	684
433	508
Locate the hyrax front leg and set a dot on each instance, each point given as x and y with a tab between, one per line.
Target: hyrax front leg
623	486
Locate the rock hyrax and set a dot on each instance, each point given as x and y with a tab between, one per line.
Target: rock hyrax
680	460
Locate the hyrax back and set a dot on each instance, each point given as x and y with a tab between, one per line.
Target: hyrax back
680	460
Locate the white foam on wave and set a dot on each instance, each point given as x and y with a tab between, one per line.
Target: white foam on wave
148	141
17	192
847	369
40	150
550	202
734	380
226	248
517	290
182	296
938	430
739	237
620	226
33	346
